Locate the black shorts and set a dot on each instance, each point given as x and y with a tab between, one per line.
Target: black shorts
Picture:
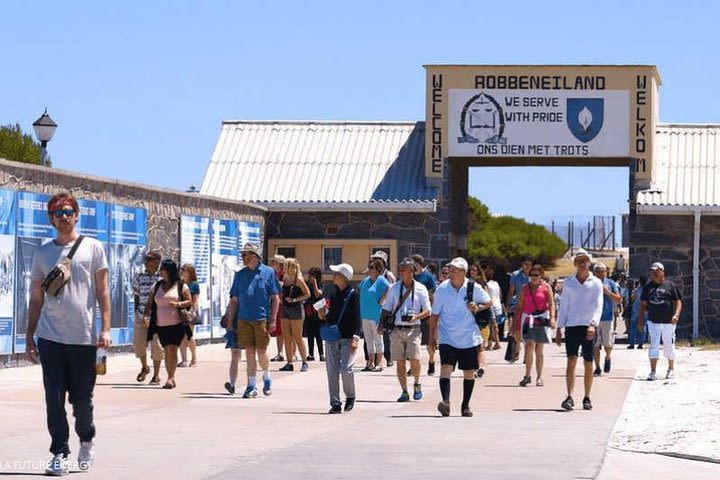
424	331
575	337
171	335
464	358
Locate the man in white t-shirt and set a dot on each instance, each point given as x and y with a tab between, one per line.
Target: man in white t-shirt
453	316
65	326
410	301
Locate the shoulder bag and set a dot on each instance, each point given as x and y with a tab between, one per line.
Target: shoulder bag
387	318
188	315
482	317
331	333
60	275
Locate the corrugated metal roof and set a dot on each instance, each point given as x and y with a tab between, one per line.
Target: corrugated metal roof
687	168
320	163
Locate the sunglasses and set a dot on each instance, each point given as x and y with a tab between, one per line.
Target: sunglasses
370	267
534	274
63	212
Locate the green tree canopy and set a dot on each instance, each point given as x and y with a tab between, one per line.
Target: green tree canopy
18	146
503	240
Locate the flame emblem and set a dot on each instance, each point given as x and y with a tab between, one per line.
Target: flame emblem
585	119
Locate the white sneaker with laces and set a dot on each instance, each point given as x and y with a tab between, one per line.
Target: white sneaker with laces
86	455
57	466
651	377
670	374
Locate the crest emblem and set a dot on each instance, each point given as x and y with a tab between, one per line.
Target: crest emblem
585	117
482	121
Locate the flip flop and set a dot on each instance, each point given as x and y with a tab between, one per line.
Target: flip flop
143	373
169	385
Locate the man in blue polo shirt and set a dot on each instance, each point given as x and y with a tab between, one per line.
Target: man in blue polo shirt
605	334
254	301
518	279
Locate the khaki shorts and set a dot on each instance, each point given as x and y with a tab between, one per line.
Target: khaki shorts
253	334
405	343
604	334
140	344
485	334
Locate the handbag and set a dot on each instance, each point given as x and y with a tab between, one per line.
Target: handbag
59	276
511	350
482	317
185	313
331	333
387	318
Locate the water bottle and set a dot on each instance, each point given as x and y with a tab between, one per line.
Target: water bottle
101	361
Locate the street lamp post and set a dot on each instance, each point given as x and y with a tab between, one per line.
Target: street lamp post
44	131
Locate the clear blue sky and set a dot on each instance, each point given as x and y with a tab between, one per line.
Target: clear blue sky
139	89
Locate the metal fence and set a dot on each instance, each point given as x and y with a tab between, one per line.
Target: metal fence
591	233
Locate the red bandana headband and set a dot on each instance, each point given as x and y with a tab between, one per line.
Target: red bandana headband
60	203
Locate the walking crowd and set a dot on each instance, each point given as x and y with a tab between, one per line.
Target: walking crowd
455	311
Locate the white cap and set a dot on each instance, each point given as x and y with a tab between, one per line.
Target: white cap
582	253
458	262
343	269
381	255
657	266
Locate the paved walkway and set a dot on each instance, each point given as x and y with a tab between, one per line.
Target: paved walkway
198	431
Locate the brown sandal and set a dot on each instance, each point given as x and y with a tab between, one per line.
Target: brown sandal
143	373
169	385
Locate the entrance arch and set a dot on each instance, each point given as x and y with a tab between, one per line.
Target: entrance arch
535	115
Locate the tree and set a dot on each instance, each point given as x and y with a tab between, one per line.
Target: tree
18	146
503	240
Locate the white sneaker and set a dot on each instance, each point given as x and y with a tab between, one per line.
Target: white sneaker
670	374
86	455
57	466
651	377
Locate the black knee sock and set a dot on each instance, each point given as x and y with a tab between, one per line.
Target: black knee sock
468	386
445	389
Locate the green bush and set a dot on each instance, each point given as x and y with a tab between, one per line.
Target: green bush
503	240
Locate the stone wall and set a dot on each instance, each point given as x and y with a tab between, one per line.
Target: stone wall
164	206
669	239
422	233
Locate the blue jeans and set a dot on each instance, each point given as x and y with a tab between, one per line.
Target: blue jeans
339	363
68	369
635	336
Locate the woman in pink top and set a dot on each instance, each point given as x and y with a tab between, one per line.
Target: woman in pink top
536	310
163	307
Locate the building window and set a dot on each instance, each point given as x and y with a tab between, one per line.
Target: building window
287	252
382	249
331	256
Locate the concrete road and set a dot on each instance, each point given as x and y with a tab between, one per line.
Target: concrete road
198	431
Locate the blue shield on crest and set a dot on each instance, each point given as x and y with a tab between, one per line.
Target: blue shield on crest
585	117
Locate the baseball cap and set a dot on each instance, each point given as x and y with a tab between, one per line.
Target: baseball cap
381	255
458	262
343	269
252	248
657	266
582	253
